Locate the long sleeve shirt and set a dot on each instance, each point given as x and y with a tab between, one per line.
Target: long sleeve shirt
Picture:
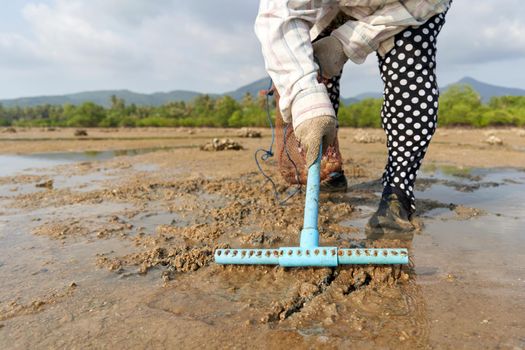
286	29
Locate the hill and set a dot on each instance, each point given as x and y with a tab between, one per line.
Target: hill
488	90
159	98
103	97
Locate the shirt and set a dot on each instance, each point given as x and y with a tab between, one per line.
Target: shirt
286	29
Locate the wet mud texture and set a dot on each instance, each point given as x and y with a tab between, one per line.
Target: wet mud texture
15	308
141	242
207	214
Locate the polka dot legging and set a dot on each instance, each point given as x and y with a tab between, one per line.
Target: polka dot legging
409	111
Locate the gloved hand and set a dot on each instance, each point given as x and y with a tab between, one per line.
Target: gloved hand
312	132
330	56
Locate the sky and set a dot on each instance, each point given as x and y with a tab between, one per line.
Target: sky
50	47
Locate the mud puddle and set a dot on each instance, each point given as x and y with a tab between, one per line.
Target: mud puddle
470	259
37	162
26	174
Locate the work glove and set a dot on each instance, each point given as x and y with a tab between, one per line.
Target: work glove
312	132
330	56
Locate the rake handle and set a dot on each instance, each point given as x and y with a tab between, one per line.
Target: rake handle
310	232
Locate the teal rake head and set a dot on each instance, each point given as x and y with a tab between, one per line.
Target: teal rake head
309	253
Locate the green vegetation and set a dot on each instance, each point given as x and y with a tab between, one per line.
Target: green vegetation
460	105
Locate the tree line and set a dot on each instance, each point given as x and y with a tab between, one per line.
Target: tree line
460	105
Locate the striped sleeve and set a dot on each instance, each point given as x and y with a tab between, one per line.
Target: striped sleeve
283	28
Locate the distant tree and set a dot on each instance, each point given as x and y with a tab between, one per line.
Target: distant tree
225	107
247	100
117	103
87	115
460	105
364	114
202	106
236	119
5	120
497	118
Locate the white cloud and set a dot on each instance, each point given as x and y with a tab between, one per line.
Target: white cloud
16	51
65	36
483	32
73	45
152	44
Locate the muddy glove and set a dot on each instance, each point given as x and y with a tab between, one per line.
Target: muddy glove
312	132
330	55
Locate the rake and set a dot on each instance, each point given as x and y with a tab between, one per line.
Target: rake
309	253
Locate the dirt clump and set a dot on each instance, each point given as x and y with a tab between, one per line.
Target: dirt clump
80	132
61	230
46	184
259	238
465	213
194	233
249	133
9	130
173	258
365	137
221	145
494	140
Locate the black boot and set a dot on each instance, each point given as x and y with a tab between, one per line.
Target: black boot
392	219
336	182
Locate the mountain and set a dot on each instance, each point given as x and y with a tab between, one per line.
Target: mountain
103	98
487	91
155	99
350	100
253	89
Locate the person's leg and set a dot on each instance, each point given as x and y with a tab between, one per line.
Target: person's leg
409	117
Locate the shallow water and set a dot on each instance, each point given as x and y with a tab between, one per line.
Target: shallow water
36	162
473	271
503	194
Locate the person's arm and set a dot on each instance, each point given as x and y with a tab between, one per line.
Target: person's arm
283	28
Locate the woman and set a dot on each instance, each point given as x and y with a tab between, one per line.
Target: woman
301	39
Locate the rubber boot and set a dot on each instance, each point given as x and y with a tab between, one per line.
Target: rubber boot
392	220
336	182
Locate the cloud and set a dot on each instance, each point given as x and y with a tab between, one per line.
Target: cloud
67	36
73	45
165	43
16	52
484	32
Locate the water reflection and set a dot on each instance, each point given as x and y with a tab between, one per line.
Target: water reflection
13	164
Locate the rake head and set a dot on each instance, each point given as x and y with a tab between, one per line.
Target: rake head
321	256
309	253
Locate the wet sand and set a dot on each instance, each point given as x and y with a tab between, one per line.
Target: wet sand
114	249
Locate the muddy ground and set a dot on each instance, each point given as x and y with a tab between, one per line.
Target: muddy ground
114	249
